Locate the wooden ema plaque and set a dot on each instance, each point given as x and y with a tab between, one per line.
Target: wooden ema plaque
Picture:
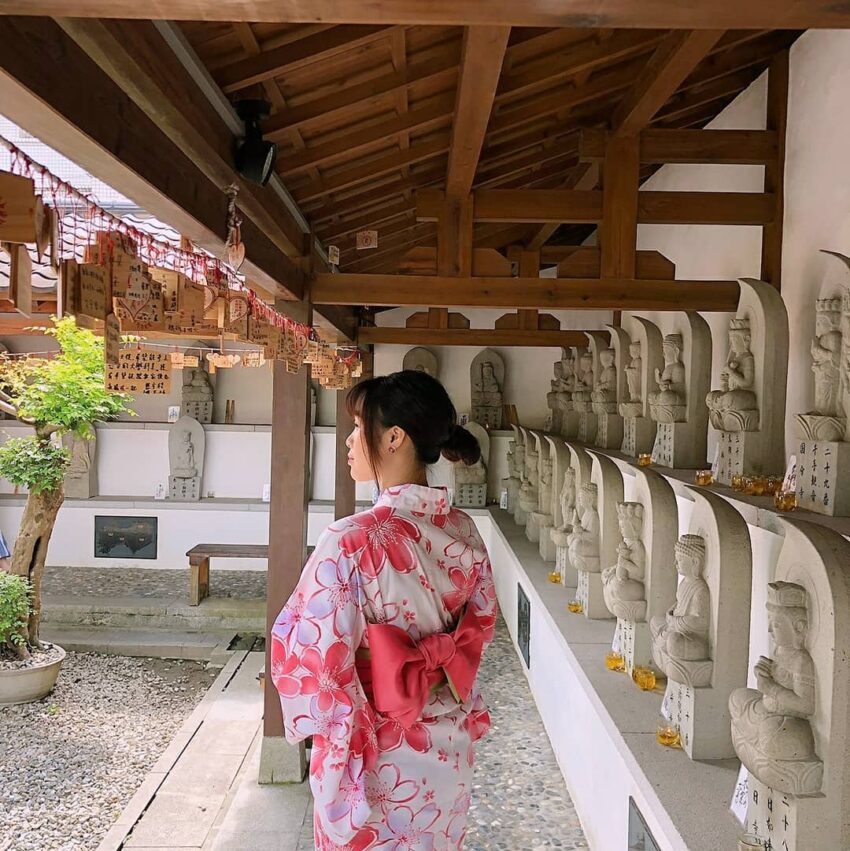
145	312
69	287
140	371
94	289
20	279
17	209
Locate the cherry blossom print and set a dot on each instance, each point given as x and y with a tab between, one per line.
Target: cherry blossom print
380	536
386	789
375	783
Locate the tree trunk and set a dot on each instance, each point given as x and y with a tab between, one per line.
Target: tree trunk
30	550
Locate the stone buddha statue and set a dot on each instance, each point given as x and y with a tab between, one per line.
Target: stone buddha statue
734	407
827	420
487	398
771	726
680	638
567	498
624	589
584	539
584	382
668	403
604	395
633	407
184	458
545	499
529	492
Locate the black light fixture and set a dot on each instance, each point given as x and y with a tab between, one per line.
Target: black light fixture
255	157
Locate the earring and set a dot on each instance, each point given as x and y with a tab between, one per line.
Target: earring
392	449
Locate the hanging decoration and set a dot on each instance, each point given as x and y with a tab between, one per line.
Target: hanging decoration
109	269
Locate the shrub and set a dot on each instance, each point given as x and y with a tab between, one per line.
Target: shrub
14	610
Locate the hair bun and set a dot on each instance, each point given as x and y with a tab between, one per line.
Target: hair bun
461	445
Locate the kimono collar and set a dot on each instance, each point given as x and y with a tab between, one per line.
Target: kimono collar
416	498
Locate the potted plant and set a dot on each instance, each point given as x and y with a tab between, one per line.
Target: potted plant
56	395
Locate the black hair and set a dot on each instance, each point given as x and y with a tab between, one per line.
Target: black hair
420	406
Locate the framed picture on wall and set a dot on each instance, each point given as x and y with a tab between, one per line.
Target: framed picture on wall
125	537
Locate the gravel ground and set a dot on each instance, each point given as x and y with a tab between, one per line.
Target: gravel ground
70	763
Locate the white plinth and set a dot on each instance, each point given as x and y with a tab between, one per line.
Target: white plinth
609	431
589	594
638	436
823	477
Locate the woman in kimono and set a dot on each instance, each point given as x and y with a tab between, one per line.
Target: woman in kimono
376	652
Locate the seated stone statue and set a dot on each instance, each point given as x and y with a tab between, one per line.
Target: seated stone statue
604	395
487	398
734	407
624	590
470	474
584	539
668	403
584	383
680	638
545	497
771	729
529	492
633	407
567	498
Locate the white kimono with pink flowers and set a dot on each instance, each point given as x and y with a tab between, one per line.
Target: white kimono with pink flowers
414	562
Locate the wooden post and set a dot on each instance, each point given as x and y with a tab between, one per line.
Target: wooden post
774	172
279	761
344	487
529	267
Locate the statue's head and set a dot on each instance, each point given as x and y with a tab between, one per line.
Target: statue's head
634	349
827	315
690	555
787	614
739	333
588	495
567	361
672	348
487	369
630	517
186	437
586	361
606	357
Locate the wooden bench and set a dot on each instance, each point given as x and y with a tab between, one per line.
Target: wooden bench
199	564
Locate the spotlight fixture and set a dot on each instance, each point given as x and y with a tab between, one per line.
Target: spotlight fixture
254	157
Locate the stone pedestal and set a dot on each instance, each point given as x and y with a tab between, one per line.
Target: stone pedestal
569	424
638	436
568	574
635	644
675	447
471	496
795	824
587	425
200	411
532	526
732	456
186	490
609	431
546	546
823	477
520	516
589	593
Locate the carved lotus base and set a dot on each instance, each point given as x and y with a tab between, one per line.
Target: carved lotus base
668	413
520	516
818	427
735	420
633	611
604	407
560	537
630	409
587	564
583	406
796	777
527	503
696	674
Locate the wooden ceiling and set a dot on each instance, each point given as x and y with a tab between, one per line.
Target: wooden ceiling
363	114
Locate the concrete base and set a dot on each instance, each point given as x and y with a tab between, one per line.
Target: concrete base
609	431
532	527
677	446
281	762
702	715
547	547
589	593
822	476
635	644
587	425
638	436
569	575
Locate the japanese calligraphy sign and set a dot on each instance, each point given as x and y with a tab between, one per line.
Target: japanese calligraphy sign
140	371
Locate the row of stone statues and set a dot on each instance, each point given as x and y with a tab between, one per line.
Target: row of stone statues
682	605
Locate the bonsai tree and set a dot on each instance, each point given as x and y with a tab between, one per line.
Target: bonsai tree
56	395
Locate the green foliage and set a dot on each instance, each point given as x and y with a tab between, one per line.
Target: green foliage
65	393
14	609
33	463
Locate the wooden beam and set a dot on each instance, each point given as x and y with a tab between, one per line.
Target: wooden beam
454	238
481	64
585	261
774	172
670	65
583	177
520	293
575	206
659	146
652	14
66	100
470	337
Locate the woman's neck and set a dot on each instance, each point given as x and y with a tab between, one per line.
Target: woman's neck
393	479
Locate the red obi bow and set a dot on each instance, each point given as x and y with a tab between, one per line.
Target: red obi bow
405	671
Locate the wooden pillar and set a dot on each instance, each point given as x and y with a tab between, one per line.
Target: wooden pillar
344	487
618	230
774	173
529	267
279	761
454	249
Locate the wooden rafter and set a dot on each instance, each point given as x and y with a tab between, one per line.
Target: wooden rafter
470	337
659	14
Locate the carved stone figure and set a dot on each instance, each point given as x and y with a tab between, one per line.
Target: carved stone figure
633	407
421	359
771	725
584	382
81	476
680	638
521	475
487	374
668	404
604	395
543	518
197	400
827	421
186	445
470	481
734	407
584	539
530	489
567	499
623	582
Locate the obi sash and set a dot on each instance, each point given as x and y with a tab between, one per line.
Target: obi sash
399	674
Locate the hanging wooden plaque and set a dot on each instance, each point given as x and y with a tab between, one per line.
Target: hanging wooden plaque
144	313
112	341
69	287
17	208
94	289
140	371
20	278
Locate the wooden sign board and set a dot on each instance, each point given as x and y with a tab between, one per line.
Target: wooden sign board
130	278
17	208
69	287
94	288
140	371
112	341
144	313
366	239
20	278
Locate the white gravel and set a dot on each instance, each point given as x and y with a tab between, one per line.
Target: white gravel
70	763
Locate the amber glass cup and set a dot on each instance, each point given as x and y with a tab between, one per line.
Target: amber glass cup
615	661
555	577
704	478
785	500
575	607
667	734
738	482
644	678
644	459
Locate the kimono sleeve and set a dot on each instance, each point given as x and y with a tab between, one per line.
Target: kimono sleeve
314	640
